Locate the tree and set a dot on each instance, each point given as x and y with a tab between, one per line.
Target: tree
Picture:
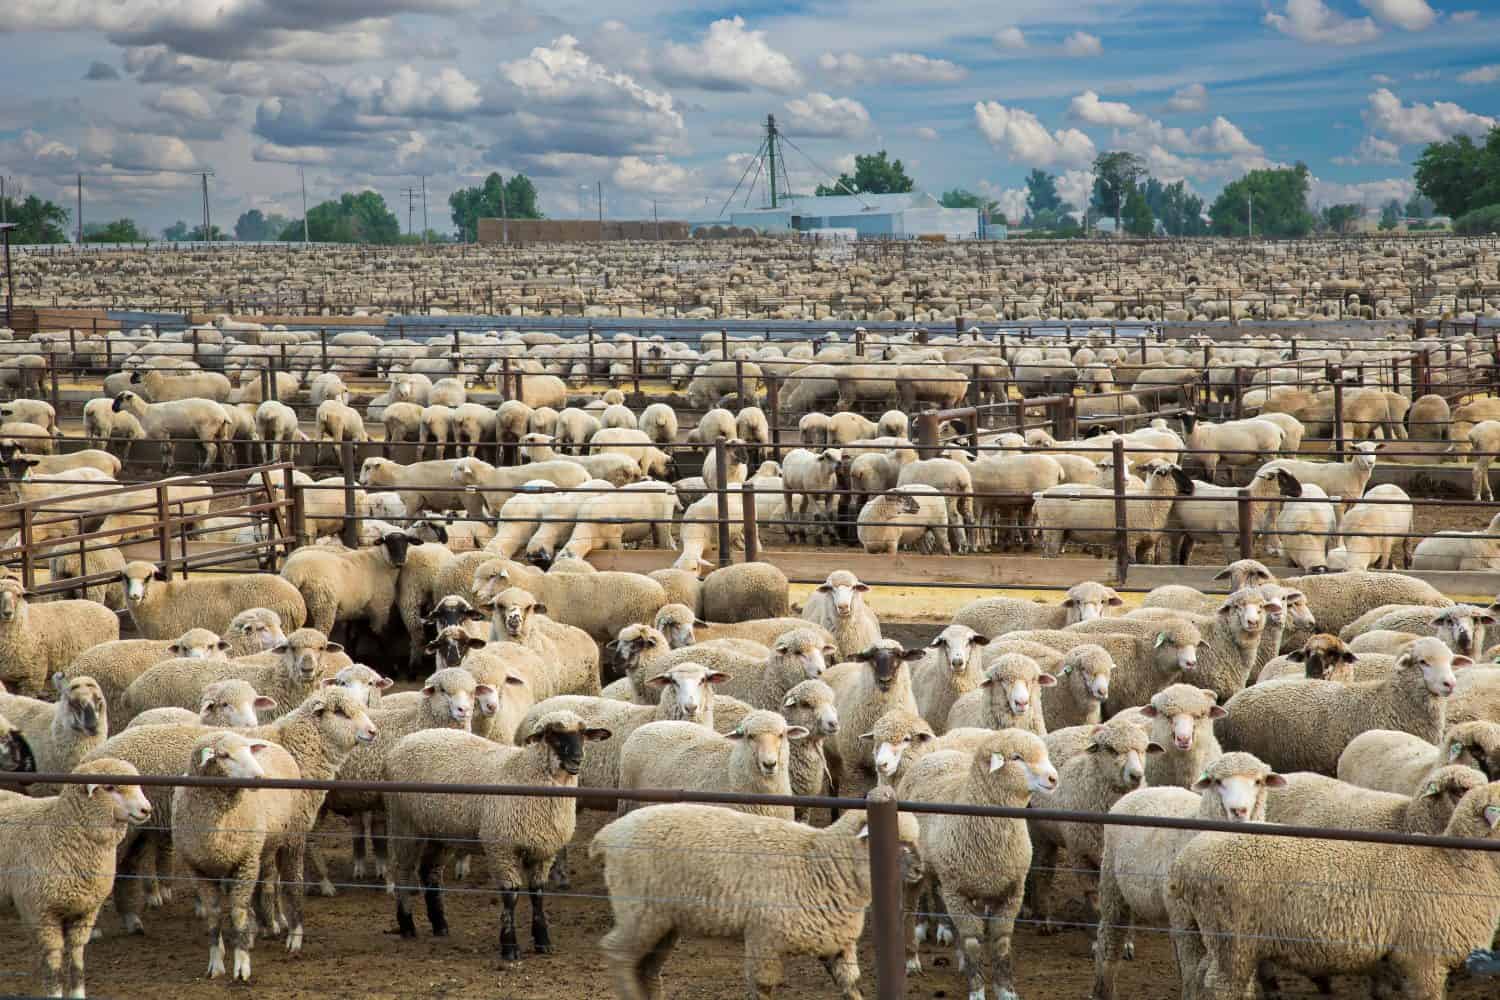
119	231
1479	221
214	233
873	174
177	232
496	197
1341	218
1419	206
1460	176
1390	214
1137	215
1280	204
963	198
1115	176
37	221
1179	210
252	226
1041	193
353	218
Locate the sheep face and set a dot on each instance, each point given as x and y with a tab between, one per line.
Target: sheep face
127	803
1437	663
231	703
1242	788
1323	655
1245	573
1094	668
302	654
450	694
15	752
810	704
633	642
887	662
766	735
360	681
12	598
1087	602
452	645
1247	611
1012	679
958	644
513	609
1183	719
377	472
1293	605
891	746
1460	625
228	755
82	704
1174	651
199	644
1014	756
452	611
677	626
342	721
806	648
395	544
1125	746
489	580
564	734
261	623
843	590
1476	745
693	684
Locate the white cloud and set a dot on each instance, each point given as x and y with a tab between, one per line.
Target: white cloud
1087	107
1481	74
1419	122
137	153
1370	194
1012	201
1413	15
407	92
898	67
182	101
654	176
1193	97
1021	137
1221	136
270	152
823	116
1463	16
1313	22
1382	79
1371	149
1010	38
928	133
728	57
1073	186
1081	43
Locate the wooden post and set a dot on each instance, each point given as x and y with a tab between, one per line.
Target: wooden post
1122	516
1336	374
28	560
350	533
748	513
887	921
721	489
773	412
164	530
1242	510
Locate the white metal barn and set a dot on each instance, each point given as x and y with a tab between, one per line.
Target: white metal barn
870	215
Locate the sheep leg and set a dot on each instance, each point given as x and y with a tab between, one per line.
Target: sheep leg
969	923
1116	925
292	860
1043	871
1001	927
430	872
763	969
128	888
49	939
375	826
541	936
241	930
843	968
510	950
637	969
75	937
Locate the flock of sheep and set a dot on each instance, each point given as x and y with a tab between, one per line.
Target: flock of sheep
1342	697
776	278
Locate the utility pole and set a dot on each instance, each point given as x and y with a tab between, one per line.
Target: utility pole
504	219
208	229
657	219
424	209
411	204
1250	213
600	186
2	200
771	154
80	209
301	179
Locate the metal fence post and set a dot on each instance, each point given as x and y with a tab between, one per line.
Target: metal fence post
1242	510
773	412
887	921
28	564
748	514
163	530
1122	517
350	534
927	435
1336	375
721	486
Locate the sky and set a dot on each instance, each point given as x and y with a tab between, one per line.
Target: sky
663	101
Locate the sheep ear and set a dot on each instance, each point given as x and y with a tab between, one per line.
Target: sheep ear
717	677
427	691
1068	602
738	734
1432	790
864	832
988	681
1348	657
1297	656
222	646
935	643
476	643
159	573
328	682
204	756
263	703
1149	711
174	649
797	732
921	737
1115	601
1154	747
1045	680
1223	574
868	736
1217	713
281	647
996	762
861	588
1275	781
1459	662
790	702
539	609
659	681
1161	640
333	647
59	682
1492	816
980	640
1203	784
913	654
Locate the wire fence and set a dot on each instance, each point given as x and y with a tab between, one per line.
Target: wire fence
890	906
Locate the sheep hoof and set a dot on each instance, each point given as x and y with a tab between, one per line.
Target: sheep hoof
216	959
914	966
294	941
920	933
1007	995
359	871
381	869
133	924
1128	952
944	935
325	888
154	899
461	867
977	994
241	965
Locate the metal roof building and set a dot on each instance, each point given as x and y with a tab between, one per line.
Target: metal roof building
897	216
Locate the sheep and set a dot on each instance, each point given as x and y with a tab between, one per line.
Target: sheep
1322	657
682	627
598	603
1333	923
254	630
162	608
21	464
1304	725
1238	442
58	878
1316	800
114	664
820	875
516	616
169	386
421	486
520	836
619	415
202	420
1370	532
1338	599
904	517
15	752
1390	761
1113	764
30	411
811	705
1181	719
752	427
838	605
808	479
952	479
224	704
1087	514
1460	550
979	865
1144	663
319	733
61	733
1004	486
951	669
1303	528
993	617
714	424
813	429
1337	479
288	673
1428	418
37	640
350	586
486	487
634	513
1460	626
893	423
874	681
1208	511
338	422
1135	860
659	422
744	592
1082	687
754	757
1008	697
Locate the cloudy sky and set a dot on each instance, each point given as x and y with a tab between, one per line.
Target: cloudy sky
663	100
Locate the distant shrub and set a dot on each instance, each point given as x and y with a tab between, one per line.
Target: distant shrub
1481	220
